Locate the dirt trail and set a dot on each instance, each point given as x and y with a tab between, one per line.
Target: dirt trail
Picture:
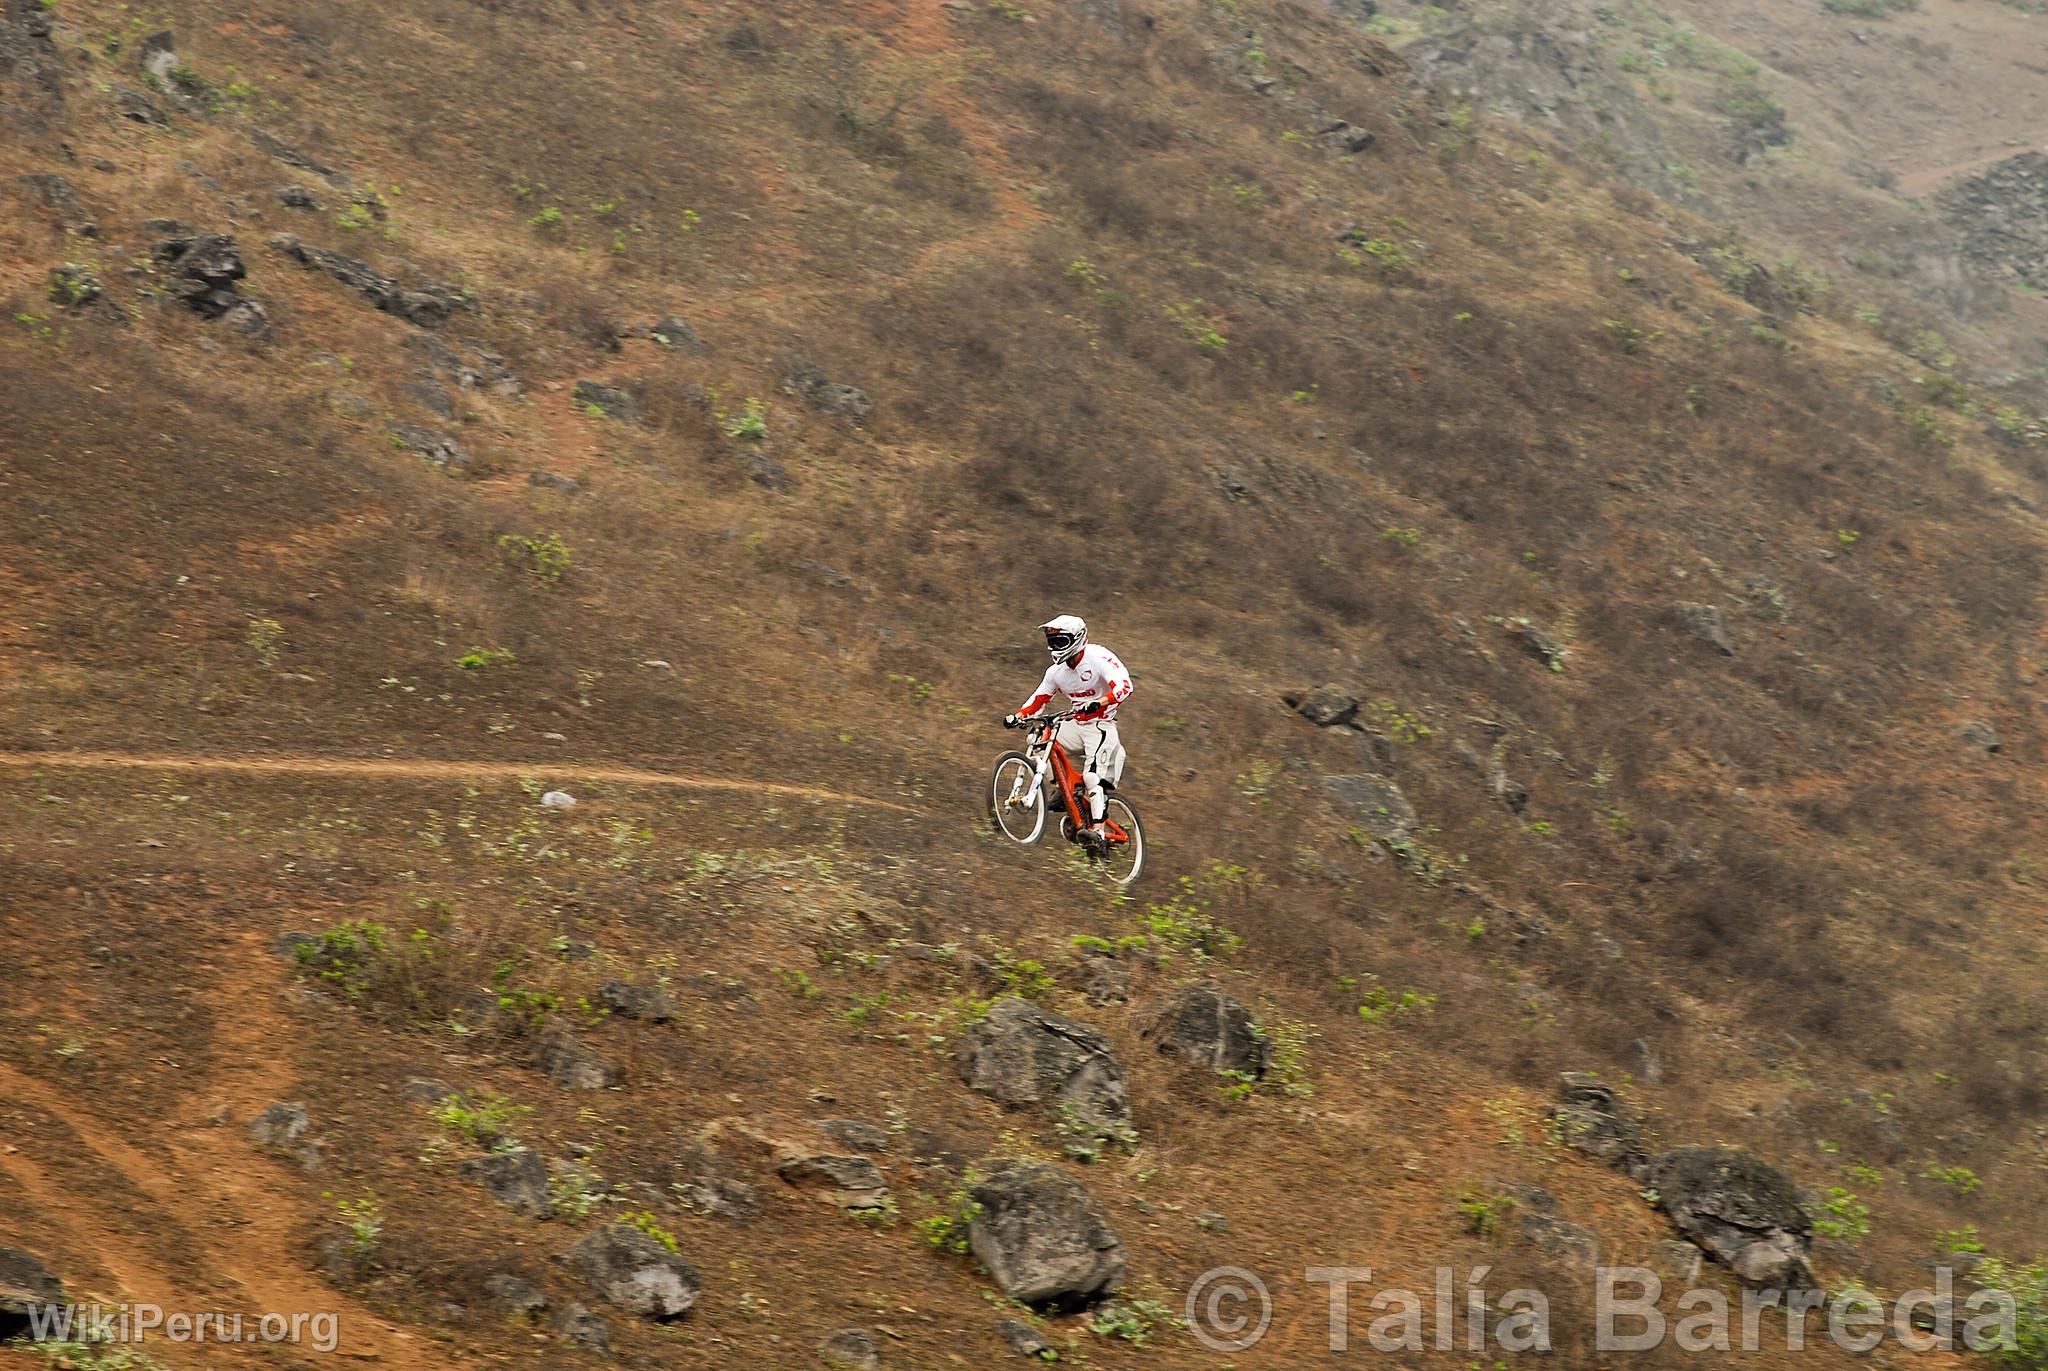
238	1204
394	768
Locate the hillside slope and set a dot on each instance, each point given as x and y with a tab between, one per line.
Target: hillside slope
723	395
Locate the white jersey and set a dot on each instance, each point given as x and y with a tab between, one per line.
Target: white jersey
1097	678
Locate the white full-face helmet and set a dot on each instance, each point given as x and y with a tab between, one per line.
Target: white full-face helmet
1064	636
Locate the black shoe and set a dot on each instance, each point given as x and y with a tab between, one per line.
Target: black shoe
1095	840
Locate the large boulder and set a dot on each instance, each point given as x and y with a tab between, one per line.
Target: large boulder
516	1178
1592	1120
25	1284
1043	1238
635	1271
1745	1212
1205	1027
1021	1054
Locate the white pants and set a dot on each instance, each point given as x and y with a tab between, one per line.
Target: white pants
1101	756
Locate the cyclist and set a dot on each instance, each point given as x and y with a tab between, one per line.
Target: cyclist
1095	682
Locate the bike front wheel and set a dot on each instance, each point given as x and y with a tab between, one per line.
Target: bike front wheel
1015	803
1125	856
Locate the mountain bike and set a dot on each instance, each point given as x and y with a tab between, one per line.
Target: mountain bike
1028	785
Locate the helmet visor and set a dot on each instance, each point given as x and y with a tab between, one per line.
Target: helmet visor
1060	642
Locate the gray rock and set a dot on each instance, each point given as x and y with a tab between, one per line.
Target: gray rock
25	1285
584	1328
549	480
202	271
1706	623
861	1137
763	470
1021	1054
718	1197
273	146
851	1349
76	286
1023	1339
1043	1238
296	197
516	1296
59	199
1741	1210
635	1271
136	106
1981	735
1648	1067
1208	1028
613	402
1591	1120
517	1179
849	1182
436	449
430	396
287	945
248	318
1325	706
429	305
573	1066
807	381
673	331
629	1001
1105	980
282	1129
1375	804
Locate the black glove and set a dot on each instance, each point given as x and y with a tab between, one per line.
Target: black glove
1012	721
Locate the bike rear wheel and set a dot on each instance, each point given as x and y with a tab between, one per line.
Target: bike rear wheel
1015	804
1126	858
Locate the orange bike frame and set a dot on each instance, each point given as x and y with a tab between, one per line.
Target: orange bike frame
1069	781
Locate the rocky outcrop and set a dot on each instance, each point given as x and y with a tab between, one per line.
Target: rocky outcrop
517	1179
635	1271
203	271
1043	1238
515	1296
583	1327
1208	1028
1021	1054
1744	1212
1592	1120
429	304
2002	217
